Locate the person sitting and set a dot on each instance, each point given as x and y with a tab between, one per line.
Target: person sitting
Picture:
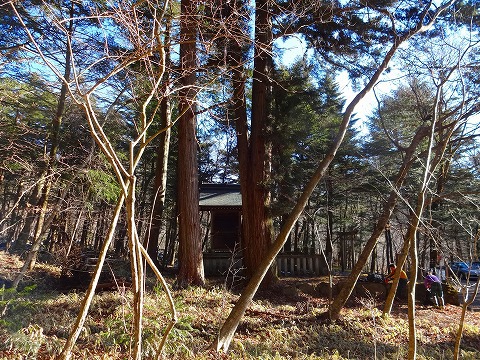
434	291
402	283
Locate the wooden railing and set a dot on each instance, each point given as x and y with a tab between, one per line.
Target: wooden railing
220	263
299	265
286	264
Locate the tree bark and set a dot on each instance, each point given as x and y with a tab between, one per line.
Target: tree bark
257	230
190	244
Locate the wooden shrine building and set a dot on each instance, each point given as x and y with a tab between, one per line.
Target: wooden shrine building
223	235
222	250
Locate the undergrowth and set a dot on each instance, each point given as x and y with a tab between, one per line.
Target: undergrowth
35	324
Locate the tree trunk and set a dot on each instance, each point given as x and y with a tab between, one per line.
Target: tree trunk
137	269
351	280
160	185
190	244
389	245
87	300
466	303
52	159
346	290
231	323
373	260
430	166
16	214
170	242
412	331
329	237
411	246
257	231
435	206
161	167
24	229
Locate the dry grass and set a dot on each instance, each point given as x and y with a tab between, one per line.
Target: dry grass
35	323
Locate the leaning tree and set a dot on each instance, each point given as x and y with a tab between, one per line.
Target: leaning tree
423	21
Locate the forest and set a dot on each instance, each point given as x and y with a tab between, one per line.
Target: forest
217	179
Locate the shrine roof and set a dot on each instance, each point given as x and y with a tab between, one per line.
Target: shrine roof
220	196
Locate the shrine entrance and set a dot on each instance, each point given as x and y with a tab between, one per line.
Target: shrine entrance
226	230
222	203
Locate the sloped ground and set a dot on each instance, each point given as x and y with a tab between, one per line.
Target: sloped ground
280	324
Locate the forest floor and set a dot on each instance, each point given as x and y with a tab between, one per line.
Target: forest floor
280	324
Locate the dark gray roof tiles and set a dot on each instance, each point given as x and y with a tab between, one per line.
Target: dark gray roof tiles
220	196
